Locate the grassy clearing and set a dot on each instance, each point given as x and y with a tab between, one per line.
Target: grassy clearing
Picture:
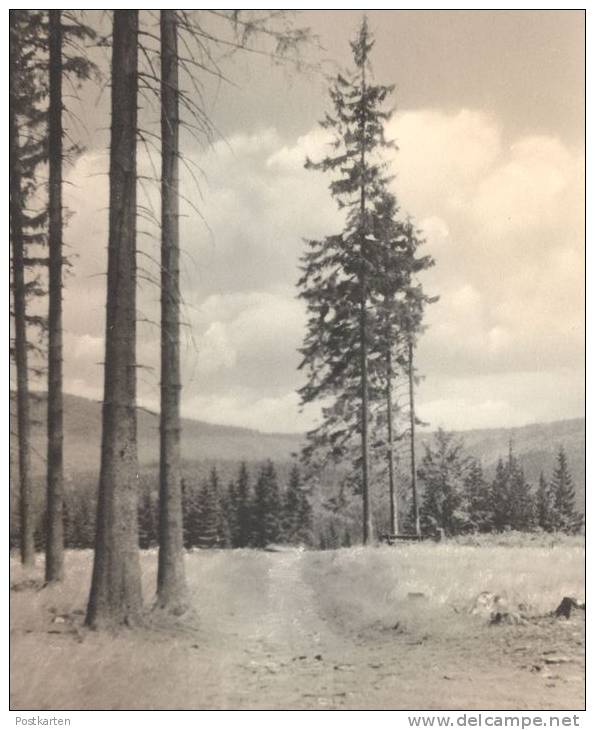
254	611
367	588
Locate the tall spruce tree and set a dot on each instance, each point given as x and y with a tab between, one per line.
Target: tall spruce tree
116	595
28	150
63	30
171	577
400	305
337	269
54	561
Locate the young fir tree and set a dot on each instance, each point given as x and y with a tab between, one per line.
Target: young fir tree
443	470
190	512
336	280
544	505
209	513
499	497
147	520
267	507
297	512
511	501
243	510
562	498
522	501
476	498
231	511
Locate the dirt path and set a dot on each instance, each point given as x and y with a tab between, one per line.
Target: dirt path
268	634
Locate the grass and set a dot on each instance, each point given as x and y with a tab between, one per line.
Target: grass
367	588
236	596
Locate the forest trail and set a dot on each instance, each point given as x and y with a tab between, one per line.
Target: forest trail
285	630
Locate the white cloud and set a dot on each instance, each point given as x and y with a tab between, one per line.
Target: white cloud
504	223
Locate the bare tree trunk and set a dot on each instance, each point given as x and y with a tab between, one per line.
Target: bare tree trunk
54	560
171	578
27	527
367	512
363	336
394	517
412	429
116	597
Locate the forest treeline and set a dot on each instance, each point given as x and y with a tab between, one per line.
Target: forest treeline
262	504
457	498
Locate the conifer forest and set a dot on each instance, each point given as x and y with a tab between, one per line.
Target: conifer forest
296	359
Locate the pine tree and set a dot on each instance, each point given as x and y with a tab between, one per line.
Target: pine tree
477	498
224	521
231	507
190	512
499	497
267	508
209	513
116	593
522	501
511	500
54	562
28	149
561	492
337	270
544	505
332	537
297	512
147	520
171	576
74	68
400	307
443	470
243	511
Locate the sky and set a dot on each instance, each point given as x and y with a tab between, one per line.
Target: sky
489	122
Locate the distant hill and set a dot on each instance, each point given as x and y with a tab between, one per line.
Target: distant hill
82	438
535	445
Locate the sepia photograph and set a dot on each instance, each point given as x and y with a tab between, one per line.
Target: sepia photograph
297	361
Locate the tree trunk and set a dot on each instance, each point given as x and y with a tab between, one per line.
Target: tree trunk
412	429
171	579
54	560
116	597
394	517
363	335
27	526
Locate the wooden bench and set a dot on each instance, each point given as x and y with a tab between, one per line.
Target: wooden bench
391	539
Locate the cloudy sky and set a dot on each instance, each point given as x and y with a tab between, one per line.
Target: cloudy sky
489	122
